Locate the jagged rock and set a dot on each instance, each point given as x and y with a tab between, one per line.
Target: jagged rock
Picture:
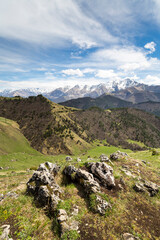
139	187
43	195
87	180
101	205
118	155
42	185
103	172
104	158
128	236
5	233
84	178
150	187
75	210
68	158
66	224
90	185
62	215
49	167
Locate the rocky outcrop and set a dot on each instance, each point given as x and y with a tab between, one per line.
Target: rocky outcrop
103	172
146	186
90	185
42	185
118	155
5	232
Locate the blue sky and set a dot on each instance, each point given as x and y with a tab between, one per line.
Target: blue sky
53	43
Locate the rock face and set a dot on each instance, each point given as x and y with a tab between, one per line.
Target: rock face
42	185
149	187
103	172
104	158
5	232
118	155
90	185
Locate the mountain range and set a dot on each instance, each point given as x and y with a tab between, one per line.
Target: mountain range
66	93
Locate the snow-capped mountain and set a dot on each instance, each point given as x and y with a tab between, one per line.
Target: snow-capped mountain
77	91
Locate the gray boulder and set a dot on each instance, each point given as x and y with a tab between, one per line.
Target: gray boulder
101	205
151	187
84	178
90	186
147	186
103	172
104	158
118	155
139	187
42	185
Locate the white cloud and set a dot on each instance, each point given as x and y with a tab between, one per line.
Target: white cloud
55	22
88	70
106	74
123	58
155	80
151	46
73	72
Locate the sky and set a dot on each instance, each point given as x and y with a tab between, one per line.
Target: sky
54	43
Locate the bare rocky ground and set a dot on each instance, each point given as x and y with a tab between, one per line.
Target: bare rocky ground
87	200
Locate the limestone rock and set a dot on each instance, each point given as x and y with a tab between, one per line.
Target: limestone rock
128	236
147	186
90	185
62	215
139	187
103	172
5	233
151	187
42	185
118	155
104	158
101	205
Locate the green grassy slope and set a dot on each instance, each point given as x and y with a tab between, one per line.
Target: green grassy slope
11	139
131	212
